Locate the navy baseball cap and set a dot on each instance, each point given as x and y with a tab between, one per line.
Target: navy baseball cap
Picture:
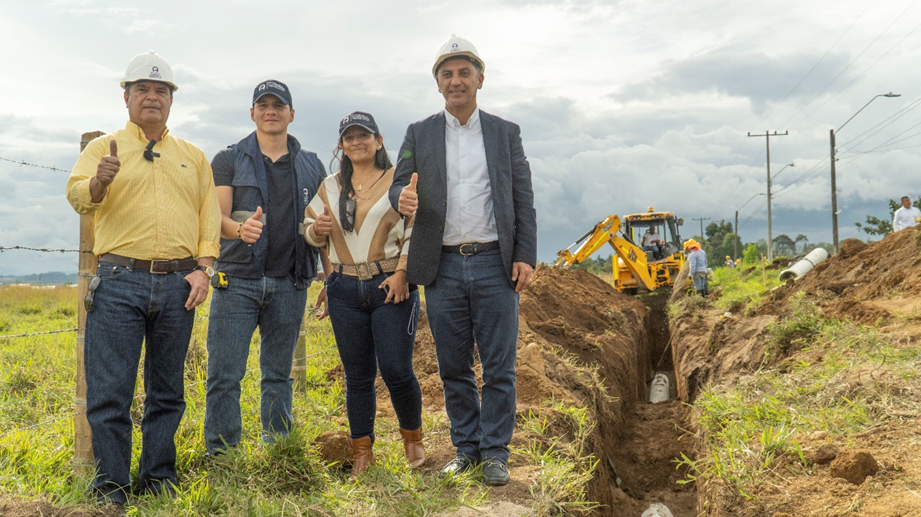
273	87
358	118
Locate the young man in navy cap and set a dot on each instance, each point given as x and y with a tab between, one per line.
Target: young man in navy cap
264	183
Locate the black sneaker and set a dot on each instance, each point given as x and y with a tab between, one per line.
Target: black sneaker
456	466
495	472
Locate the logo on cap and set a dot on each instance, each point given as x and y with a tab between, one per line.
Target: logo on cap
275	85
454	47
154	72
262	87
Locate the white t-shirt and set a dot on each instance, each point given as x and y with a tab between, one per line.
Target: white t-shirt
650	238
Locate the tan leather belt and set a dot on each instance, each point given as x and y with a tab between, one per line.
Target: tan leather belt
367	270
157	267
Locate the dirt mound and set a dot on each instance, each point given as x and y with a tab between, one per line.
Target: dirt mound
876	284
861	275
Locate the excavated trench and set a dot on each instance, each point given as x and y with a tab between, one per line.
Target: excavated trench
644	445
627	339
584	344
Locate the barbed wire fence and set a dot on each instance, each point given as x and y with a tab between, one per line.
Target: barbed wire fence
299	362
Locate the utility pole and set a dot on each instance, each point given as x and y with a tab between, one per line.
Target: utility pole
834	193
735	239
767	135
701	219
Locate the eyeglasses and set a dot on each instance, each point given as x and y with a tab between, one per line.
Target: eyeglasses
349	215
149	155
90	289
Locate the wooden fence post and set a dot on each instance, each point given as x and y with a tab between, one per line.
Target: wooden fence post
83	438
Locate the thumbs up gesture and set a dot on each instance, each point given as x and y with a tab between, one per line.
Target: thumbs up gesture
108	165
409	200
324	223
251	229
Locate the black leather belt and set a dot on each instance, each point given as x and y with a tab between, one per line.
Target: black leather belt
471	248
157	267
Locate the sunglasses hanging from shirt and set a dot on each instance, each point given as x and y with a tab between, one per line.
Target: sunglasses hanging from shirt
149	155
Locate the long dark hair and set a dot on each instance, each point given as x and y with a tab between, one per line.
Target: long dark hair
346	169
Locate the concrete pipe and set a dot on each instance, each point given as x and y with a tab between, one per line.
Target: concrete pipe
657	510
805	265
659	390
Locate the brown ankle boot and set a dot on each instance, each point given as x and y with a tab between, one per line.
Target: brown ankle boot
412	444
362	456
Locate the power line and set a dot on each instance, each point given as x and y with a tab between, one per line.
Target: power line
742	143
787	122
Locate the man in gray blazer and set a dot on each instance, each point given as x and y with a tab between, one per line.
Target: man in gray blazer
464	174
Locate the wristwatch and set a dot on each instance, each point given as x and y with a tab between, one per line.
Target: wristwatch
208	270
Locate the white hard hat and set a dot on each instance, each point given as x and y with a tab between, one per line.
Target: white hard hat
457	47
149	66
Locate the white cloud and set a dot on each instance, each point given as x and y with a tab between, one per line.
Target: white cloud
622	105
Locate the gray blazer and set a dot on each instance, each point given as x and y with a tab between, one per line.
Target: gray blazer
423	152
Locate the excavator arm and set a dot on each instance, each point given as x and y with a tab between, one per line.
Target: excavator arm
606	232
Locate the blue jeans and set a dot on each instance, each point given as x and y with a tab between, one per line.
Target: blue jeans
701	284
276	306
370	335
472	302
134	307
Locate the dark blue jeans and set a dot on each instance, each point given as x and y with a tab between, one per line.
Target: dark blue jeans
471	302
370	335
276	306
134	307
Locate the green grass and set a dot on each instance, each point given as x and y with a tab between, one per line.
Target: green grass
286	478
858	381
738	290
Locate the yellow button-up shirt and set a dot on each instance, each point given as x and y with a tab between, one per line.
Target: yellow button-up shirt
161	209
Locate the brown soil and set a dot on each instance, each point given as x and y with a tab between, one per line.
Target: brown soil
875	473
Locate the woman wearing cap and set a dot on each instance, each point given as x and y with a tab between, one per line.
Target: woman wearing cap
373	310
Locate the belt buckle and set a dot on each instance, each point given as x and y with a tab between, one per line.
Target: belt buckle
472	245
161	267
367	266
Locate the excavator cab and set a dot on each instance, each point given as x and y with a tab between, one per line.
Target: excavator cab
639	265
655	232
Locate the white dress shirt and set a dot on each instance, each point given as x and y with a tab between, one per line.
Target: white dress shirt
905	218
470	215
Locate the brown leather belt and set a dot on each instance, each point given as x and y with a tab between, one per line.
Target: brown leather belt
157	267
471	248
367	270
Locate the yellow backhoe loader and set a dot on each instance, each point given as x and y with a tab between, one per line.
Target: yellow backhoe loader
648	266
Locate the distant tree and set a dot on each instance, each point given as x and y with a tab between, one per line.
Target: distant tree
716	232
802	238
784	245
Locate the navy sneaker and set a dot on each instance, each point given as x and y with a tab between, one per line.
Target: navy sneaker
495	472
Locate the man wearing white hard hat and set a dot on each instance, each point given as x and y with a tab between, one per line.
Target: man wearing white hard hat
157	235
464	175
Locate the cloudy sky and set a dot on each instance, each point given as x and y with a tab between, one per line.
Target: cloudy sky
623	104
